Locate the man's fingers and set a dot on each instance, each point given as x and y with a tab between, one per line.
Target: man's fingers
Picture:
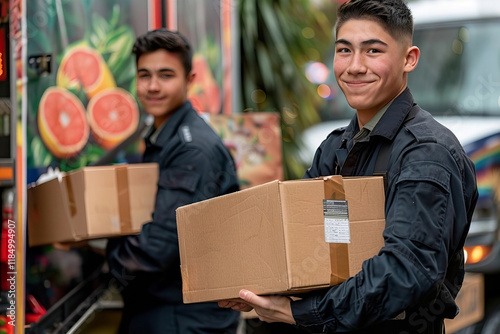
247	296
269	308
237	306
224	304
242	307
251	298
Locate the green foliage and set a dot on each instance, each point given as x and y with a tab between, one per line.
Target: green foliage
115	43
278	38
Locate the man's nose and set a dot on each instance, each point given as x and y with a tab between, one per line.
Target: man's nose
357	64
153	84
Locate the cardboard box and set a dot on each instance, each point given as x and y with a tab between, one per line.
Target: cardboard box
470	300
92	202
271	238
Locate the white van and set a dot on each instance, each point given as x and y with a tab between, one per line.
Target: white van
458	81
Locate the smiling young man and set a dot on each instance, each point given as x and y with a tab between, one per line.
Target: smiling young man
194	165
431	192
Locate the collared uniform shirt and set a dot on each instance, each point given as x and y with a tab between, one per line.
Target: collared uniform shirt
368	127
194	165
430	196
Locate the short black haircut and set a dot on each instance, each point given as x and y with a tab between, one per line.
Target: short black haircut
393	15
171	41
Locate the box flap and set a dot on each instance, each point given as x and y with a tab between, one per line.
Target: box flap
215	229
143	179
333	187
307	253
95	191
49	199
366	197
366	202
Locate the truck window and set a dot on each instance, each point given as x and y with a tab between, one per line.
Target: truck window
459	69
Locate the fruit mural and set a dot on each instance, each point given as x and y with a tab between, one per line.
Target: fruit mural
62	122
205	37
84	68
254	140
83	102
204	92
113	116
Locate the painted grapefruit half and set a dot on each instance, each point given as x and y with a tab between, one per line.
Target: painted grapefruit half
113	116
62	122
84	67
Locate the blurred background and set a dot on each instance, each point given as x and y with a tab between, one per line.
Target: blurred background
264	82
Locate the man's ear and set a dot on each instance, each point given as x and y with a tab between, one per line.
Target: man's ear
190	79
412	56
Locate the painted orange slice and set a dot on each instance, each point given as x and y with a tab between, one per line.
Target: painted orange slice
113	116
62	123
84	67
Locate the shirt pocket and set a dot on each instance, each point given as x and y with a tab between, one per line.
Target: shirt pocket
421	200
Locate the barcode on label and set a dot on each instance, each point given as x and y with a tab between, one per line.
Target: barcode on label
336	219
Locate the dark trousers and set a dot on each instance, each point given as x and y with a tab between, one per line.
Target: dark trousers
204	318
406	327
255	326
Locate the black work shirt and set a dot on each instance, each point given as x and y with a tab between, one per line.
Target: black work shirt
430	196
194	165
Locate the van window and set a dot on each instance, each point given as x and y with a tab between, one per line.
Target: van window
459	69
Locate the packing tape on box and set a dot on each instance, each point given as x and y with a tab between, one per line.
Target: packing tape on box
334	189
71	196
123	199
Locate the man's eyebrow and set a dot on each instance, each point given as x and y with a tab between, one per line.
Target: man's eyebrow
373	41
165	69
342	41
367	42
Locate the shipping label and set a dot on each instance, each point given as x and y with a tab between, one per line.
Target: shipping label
336	218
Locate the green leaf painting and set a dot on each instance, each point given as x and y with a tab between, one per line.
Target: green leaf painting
79	29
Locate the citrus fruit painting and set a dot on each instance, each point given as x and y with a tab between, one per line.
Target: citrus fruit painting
84	67
113	115
62	123
204	92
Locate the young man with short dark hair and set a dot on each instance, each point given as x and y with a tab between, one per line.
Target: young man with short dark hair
431	192
194	165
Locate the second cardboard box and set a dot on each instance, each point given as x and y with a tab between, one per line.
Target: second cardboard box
92	202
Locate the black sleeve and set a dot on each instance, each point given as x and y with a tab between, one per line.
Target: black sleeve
426	217
191	178
323	162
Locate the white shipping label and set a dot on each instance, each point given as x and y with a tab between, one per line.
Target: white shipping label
336	221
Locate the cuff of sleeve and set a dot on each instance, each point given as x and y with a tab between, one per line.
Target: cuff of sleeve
306	314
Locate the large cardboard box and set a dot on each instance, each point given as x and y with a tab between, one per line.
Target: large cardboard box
271	238
470	300
92	202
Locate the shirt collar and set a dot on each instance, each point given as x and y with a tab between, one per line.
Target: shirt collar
368	127
374	120
390	121
160	136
